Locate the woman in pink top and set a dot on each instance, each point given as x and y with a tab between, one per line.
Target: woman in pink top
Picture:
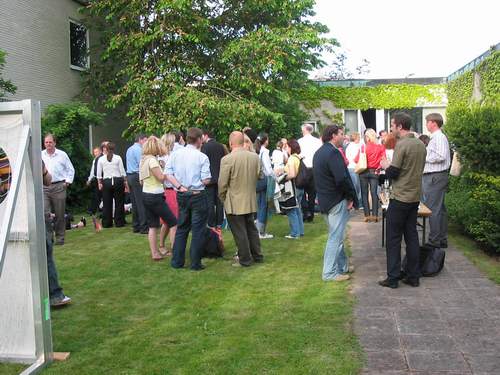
369	178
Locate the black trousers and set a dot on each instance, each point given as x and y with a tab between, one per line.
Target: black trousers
95	197
113	189
246	237
138	211
215	208
309	200
402	221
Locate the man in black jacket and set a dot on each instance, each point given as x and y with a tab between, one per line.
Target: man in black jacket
336	196
215	152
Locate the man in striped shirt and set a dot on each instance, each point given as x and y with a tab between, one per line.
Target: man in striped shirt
435	180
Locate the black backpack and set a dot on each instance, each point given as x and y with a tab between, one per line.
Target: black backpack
304	176
431	261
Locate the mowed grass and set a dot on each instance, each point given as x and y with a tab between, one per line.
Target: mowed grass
131	315
489	264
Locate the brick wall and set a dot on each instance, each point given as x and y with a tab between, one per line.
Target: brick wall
35	35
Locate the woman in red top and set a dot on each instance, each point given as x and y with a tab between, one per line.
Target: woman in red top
369	178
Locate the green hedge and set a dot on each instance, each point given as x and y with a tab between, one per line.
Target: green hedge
475	133
474	203
69	122
474	130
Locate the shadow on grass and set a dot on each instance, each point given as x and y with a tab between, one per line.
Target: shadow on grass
134	316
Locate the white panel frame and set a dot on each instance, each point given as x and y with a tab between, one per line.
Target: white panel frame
30	159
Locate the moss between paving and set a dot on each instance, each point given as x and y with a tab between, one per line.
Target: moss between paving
133	316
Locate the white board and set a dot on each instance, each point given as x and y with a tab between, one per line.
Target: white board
24	304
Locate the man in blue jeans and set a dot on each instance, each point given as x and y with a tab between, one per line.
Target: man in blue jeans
336	196
188	170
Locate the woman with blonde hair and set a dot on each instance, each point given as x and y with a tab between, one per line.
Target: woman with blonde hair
247	143
152	179
170	194
369	178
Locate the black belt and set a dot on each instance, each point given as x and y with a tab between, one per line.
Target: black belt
130	174
57	182
443	171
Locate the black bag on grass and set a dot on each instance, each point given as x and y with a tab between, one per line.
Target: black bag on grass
431	261
214	246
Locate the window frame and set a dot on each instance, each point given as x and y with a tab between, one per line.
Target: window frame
87	36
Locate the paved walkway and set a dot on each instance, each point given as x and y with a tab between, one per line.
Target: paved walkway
449	325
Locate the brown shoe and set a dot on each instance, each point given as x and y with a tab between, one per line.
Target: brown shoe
343	277
375	219
367	219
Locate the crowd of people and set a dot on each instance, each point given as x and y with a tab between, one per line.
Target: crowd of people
189	182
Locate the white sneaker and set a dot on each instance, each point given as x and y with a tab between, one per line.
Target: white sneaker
265	236
60	301
289	236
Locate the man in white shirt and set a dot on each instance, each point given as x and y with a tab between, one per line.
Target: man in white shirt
435	180
308	146
60	168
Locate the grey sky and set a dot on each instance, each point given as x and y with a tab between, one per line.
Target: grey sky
426	38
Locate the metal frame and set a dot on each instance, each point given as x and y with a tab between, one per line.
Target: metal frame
29	160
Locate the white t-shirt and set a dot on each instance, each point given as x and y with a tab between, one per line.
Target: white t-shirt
351	152
308	147
278	159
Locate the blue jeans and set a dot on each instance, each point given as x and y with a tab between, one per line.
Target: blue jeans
356	183
192	215
55	290
335	261
261	211
294	215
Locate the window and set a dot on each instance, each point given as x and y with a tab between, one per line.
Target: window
78	36
416	116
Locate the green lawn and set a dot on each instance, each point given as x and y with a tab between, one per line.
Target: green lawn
490	265
134	316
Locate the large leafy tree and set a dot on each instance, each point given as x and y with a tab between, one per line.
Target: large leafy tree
220	64
6	86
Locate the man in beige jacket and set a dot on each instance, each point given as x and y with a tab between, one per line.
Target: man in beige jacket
239	172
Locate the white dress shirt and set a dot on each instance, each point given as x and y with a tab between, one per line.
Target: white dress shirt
308	147
438	153
92	169
110	169
59	166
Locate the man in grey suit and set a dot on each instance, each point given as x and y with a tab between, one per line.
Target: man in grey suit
238	176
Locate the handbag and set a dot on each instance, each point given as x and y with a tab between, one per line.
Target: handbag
362	164
456	166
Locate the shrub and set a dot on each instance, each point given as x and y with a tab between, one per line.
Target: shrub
474	203
69	122
475	132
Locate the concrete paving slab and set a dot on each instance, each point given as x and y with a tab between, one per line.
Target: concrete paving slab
449	325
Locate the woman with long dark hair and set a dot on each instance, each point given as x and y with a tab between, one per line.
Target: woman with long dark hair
264	183
113	184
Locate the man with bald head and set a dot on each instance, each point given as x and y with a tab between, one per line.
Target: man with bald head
239	171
